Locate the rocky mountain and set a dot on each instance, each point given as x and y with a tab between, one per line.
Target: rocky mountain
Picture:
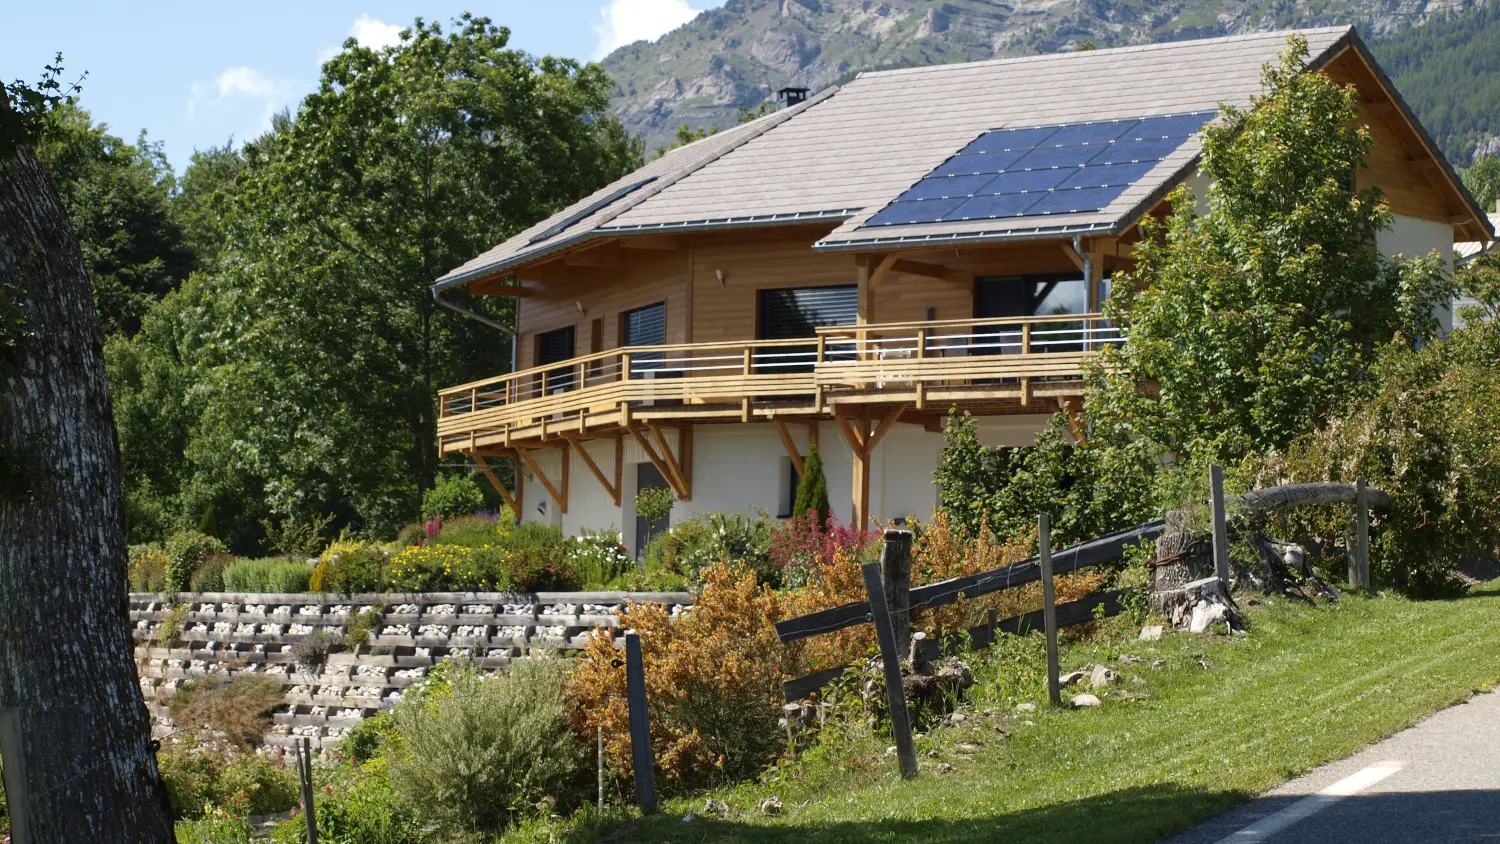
738	55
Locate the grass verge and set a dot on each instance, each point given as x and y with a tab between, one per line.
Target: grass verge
1196	725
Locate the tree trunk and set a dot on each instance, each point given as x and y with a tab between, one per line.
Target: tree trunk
65	650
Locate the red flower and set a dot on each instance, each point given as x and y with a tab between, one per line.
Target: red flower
328	789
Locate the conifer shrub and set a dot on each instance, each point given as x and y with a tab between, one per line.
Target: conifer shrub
812	488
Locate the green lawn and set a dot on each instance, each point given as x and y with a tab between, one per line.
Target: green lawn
1218	721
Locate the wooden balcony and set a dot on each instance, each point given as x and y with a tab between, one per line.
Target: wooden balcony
1011	365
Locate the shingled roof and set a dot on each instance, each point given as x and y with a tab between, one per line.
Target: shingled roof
846	153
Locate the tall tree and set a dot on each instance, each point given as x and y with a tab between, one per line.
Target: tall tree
66	662
117	199
311	342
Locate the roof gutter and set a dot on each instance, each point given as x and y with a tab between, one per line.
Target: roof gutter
437	296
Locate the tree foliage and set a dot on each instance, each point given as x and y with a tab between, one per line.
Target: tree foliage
1262	318
294	376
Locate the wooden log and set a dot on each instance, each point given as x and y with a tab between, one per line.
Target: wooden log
1049	608
895	695
1262	501
640	725
1361	533
895	568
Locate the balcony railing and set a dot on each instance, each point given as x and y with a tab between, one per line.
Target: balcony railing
917	362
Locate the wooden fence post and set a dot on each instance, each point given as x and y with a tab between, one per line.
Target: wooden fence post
1359	562
895	567
304	768
601	767
18	801
1221	527
895	693
1049	607
640	725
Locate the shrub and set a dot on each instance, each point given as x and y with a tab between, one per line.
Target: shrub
200	778
239	710
597	559
538	558
275	576
806	541
489	748
210	574
355	804
445	568
713	678
297	537
654	506
148	568
812	488
473	531
364	622
413	533
349	569
185	552
452	496
311	651
708	538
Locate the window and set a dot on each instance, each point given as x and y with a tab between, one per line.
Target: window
555	347
1035	295
645	327
796	312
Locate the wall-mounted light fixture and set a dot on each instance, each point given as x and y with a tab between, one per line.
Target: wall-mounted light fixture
719	274
579	303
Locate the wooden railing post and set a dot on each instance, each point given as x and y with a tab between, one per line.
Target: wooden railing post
895	567
1049	607
749	360
822	348
1220	525
1359	561
640	725
581	376
1025	338
624	366
304	768
921	343
895	693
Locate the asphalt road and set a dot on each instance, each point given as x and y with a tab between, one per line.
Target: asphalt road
1436	782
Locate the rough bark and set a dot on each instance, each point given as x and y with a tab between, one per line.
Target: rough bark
65	650
1182	556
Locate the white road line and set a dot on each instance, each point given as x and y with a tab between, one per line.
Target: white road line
1266	827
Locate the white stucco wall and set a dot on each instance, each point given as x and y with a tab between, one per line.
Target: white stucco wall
741	467
1414	237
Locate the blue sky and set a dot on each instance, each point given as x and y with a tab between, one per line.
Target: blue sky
196	74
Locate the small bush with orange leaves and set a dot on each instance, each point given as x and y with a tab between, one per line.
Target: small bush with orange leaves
713	676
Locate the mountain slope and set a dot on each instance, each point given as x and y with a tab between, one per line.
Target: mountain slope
738	56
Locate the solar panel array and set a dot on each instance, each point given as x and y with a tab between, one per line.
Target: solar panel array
1066	168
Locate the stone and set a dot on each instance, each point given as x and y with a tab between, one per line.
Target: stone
932	754
1102	676
967	747
770	806
1131	659
1026	707
1151	633
957	717
943	768
1070	678
717	808
1089	701
890	751
689	817
1205	614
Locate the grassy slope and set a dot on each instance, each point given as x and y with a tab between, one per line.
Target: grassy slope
1226	719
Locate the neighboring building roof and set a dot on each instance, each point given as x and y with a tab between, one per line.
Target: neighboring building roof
1464	251
848	152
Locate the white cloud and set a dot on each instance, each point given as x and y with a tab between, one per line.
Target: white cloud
375	33
627	21
238	84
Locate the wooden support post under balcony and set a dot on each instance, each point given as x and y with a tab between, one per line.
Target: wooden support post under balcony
510	500
677	471
613	488
791	447
559	491
862	441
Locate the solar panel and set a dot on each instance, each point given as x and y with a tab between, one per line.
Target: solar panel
944	188
902	212
1065	168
